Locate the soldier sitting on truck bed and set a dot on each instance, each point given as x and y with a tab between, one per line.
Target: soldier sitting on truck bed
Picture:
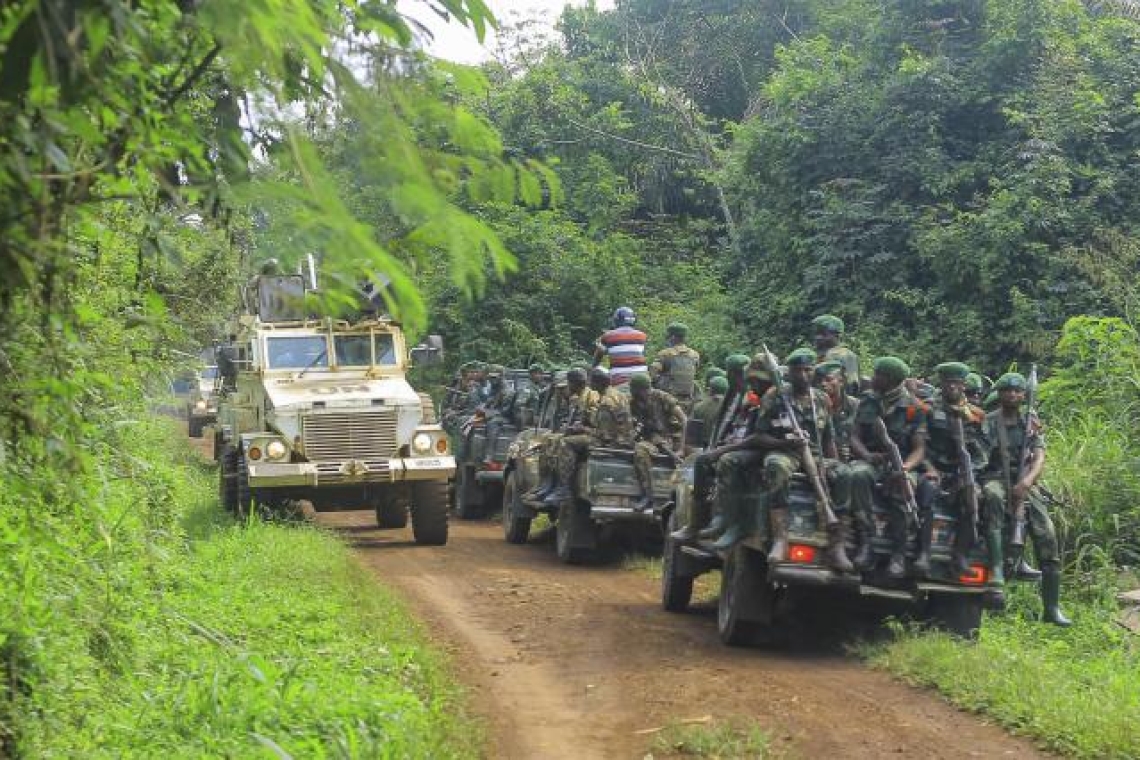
609	425
660	423
573	402
498	409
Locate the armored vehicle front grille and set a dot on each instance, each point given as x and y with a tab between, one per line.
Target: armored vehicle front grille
336	437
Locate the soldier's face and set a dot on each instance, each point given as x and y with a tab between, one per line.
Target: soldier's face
800	376
953	390
576	386
639	392
825	339
1011	398
536	377
881	382
832	383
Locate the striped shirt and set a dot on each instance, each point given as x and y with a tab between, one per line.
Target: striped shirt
625	346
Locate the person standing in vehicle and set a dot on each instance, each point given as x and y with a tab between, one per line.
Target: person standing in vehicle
577	406
660	422
828	332
1008	478
905	419
674	369
624	345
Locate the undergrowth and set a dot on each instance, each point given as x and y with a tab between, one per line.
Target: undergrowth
139	622
734	739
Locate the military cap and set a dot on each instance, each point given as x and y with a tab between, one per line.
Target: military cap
466	366
974	381
677	328
561	379
829	322
990	402
823	369
598	372
893	367
712	372
800	357
495	369
1011	380
952	370
736	362
640	380
718	384
478	365
536	367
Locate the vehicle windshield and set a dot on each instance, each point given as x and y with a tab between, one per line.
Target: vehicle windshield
209	373
297	352
354	350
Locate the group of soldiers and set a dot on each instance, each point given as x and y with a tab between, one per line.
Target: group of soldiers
918	444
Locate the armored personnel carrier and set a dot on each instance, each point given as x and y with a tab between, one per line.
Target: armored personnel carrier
319	409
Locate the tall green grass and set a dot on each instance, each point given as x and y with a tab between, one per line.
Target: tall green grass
137	622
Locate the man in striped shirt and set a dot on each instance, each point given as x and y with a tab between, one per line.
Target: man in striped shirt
624	345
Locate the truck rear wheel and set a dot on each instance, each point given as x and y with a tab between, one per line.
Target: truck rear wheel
958	614
676	589
392	508
567	535
429	512
468	495
227	478
741	581
516	524
244	500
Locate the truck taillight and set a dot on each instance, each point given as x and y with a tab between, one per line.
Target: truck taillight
975	576
802	553
441	446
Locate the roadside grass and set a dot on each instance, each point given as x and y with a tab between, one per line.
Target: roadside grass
723	740
1076	691
152	626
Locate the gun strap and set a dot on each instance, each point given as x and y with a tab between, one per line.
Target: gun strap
1003	448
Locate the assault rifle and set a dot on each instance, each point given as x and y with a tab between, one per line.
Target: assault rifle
966	474
824	510
910	505
1016	506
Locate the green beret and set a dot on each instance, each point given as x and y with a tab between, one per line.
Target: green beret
952	370
736	362
1011	380
828	368
893	367
829	322
974	381
677	328
640	380
477	365
712	372
494	369
719	384
801	357
536	367
990	401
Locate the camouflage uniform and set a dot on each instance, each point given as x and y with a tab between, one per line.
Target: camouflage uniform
674	370
779	466
845	356
660	420
609	424
994	494
842	422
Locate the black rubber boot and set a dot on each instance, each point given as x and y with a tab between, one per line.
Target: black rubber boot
697	520
542	490
557	496
1051	596
997	569
865	557
960	556
836	554
896	568
925	539
778	519
1023	571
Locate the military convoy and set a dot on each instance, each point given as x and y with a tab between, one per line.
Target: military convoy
757	599
202	401
319	409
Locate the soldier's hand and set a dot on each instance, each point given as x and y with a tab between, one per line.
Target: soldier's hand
1020	490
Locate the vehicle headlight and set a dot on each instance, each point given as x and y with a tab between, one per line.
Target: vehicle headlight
275	450
200	405
421	443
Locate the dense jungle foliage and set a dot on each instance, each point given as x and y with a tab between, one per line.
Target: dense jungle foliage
957	179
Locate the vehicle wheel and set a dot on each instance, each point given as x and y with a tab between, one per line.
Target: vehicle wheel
194	427
741	578
676	589
244	496
468	506
958	614
392	509
516	524
429	512
566	531
227	479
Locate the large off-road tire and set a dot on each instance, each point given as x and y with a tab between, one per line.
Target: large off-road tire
676	589
429	512
468	494
244	502
227	478
741	580
516	523
392	508
958	614
566	535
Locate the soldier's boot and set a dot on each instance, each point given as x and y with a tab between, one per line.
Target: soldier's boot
557	496
778	520
734	530
1051	596
645	503
865	557
716	526
959	558
925	539
697	520
997	567
543	489
836	554
896	568
1023	571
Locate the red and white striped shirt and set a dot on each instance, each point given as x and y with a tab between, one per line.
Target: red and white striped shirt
625	346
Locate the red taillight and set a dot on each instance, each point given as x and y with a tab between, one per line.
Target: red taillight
254	453
801	553
975	576
493	466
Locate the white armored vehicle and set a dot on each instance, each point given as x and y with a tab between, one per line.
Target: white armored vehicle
320	410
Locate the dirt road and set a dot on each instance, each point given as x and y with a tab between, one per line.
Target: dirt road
581	662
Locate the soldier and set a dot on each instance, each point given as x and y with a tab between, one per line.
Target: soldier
575	401
828	330
785	451
660	423
498	407
705	410
609	424
975	387
729	427
624	344
905	419
829	376
529	401
1010	481
674	369
943	474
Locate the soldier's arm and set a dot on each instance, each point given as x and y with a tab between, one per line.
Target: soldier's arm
658	365
917	450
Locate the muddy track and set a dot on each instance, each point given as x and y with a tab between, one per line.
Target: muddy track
581	662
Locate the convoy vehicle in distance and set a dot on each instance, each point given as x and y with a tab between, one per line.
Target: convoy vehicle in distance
321	410
604	495
758	600
202	401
